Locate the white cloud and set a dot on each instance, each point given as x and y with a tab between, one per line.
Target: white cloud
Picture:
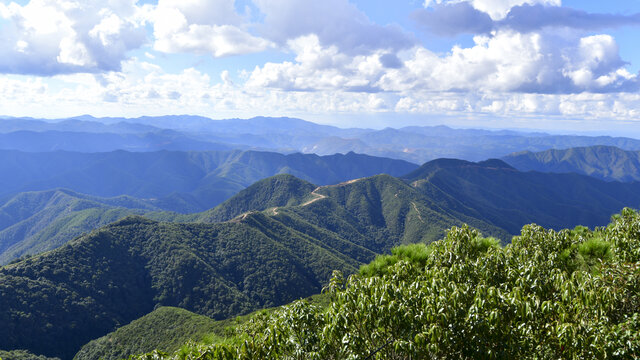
51	37
497	9
226	78
319	68
506	61
202	27
143	88
509	61
335	22
597	64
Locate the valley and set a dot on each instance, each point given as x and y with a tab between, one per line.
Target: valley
319	180
80	266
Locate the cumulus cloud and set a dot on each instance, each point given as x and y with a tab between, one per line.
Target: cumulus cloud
142	88
505	61
513	62
47	37
497	9
319	67
203	27
451	19
335	22
454	19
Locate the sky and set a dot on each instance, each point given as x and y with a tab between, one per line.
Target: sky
560	66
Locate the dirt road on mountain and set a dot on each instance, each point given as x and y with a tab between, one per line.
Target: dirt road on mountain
317	197
418	211
320	196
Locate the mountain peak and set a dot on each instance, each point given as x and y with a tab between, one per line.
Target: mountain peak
432	166
495	163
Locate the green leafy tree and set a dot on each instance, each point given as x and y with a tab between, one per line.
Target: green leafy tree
570	294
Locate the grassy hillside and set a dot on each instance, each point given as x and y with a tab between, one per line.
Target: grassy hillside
602	162
168	329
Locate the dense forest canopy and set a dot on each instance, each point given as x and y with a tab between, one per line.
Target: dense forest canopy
547	295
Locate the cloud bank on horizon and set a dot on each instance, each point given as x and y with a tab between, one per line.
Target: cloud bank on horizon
467	59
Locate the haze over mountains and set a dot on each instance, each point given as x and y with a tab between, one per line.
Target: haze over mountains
602	162
178	181
276	248
134	218
286	135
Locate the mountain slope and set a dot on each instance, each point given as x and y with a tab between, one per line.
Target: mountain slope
34	222
499	194
602	162
120	272
53	140
179	181
275	191
116	274
165	328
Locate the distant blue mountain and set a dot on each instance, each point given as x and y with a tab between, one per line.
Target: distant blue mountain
416	144
602	162
179	181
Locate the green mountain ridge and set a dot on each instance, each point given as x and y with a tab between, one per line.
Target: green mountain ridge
282	240
222	269
178	181
498	194
602	162
165	328
34	222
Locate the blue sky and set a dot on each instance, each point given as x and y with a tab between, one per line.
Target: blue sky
562	66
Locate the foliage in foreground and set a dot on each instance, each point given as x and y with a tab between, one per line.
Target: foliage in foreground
165	328
22	355
548	295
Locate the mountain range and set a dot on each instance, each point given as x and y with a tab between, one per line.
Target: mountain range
279	240
38	219
177	181
416	144
602	162
113	227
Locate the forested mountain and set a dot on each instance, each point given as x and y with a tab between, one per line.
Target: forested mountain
283	239
572	294
178	181
165	328
499	194
259	258
118	273
603	162
108	278
33	222
416	144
